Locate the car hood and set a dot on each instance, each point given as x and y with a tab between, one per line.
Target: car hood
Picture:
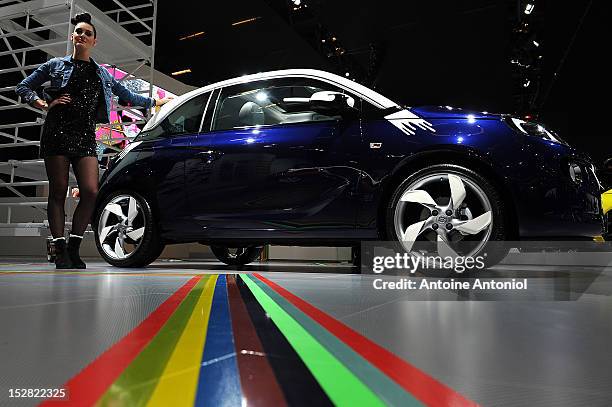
449	112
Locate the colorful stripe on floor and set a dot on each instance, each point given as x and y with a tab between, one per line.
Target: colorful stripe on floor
218	382
245	340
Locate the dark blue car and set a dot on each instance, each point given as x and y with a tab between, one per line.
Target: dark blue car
305	157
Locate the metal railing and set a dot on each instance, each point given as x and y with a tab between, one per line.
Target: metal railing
43	25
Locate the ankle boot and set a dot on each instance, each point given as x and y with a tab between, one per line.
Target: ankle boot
62	259
74	244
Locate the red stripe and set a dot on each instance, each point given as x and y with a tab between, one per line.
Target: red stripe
418	383
89	385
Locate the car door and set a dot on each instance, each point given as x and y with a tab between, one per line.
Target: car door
268	170
162	154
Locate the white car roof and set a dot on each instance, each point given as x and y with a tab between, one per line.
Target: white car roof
368	94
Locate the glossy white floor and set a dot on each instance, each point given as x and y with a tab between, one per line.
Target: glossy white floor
548	345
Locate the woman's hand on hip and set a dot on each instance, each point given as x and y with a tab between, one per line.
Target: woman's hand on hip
62	100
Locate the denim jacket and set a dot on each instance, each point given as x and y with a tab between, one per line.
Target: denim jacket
58	71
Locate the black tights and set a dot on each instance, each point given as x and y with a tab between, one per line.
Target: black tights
86	172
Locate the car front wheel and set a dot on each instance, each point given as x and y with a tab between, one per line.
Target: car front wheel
449	209
126	232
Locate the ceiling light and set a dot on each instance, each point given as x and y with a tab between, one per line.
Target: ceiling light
529	8
181	72
248	20
198	34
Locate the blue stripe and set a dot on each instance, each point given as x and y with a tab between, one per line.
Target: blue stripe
219	382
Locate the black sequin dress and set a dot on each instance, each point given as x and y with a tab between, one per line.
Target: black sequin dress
70	129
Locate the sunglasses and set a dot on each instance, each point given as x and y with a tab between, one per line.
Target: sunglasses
80	31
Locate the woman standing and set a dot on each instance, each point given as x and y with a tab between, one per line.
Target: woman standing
82	94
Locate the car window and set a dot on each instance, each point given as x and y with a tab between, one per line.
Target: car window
265	103
186	119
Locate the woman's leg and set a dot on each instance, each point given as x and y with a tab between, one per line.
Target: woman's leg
57	167
86	172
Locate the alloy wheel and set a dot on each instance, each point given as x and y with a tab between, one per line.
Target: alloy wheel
444	208
235	252
121	227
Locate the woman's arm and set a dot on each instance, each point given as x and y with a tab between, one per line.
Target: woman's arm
134	98
26	87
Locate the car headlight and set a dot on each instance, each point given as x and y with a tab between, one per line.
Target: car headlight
534	129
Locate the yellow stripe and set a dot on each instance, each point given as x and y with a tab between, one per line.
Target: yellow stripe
179	381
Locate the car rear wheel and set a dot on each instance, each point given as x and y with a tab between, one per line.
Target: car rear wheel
450	210
236	256
126	232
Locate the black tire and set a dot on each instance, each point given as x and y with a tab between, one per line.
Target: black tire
244	255
494	251
150	246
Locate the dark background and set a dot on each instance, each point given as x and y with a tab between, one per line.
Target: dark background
437	52
417	53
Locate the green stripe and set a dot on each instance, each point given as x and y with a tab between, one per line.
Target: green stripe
137	382
342	387
389	391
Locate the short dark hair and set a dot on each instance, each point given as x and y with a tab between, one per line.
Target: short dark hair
83	18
